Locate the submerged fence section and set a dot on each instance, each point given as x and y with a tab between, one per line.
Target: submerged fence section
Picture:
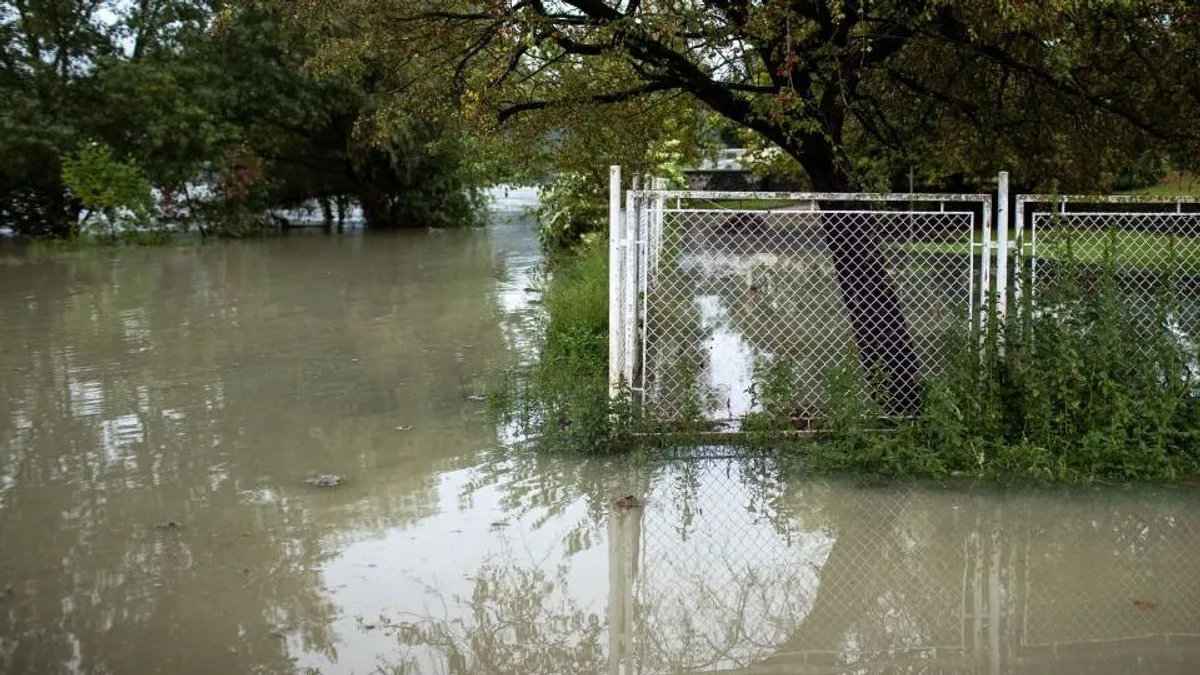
718	297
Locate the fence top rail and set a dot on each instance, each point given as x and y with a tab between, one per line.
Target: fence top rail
1108	199
816	196
786	210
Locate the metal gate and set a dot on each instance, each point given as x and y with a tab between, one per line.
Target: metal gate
1148	246
715	289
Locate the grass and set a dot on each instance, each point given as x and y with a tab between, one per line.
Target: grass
1174	184
1143	250
744	204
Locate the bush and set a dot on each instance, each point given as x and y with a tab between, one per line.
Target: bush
115	194
572	207
1088	388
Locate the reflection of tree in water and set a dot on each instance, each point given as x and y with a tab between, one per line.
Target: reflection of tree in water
740	569
518	620
199	386
915	581
549	484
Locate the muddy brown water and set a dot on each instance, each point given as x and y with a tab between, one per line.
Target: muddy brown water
161	410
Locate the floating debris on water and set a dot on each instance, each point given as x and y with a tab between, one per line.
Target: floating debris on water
325	480
628	502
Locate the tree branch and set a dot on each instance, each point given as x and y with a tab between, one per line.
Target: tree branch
956	34
610	97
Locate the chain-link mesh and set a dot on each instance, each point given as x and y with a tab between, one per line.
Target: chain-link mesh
731	291
740	572
1085	247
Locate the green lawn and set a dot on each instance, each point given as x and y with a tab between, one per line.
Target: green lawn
1133	249
1172	185
1137	249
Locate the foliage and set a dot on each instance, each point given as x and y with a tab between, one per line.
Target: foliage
574	205
569	208
114	194
1088	390
216	105
857	94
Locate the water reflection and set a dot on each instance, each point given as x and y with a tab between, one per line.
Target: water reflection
160	410
728	568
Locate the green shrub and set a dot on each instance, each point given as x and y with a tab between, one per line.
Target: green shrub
115	194
571	207
1087	388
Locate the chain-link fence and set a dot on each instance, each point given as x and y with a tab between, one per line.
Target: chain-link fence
1148	249
718	297
735	289
737	571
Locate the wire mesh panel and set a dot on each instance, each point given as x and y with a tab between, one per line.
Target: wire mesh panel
1148	251
808	286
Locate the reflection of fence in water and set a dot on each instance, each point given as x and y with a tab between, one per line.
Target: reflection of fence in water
734	574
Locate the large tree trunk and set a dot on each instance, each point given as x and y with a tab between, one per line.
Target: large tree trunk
327	212
852	580
343	203
375	207
60	213
880	331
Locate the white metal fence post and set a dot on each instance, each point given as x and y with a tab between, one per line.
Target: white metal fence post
649	240
635	205
615	331
1002	225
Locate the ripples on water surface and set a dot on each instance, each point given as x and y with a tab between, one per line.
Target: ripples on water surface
162	408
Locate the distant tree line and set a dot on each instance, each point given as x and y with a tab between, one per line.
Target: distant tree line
128	114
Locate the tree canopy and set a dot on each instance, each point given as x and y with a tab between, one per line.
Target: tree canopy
211	104
1071	92
1068	94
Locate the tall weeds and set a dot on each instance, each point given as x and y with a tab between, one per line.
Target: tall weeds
561	399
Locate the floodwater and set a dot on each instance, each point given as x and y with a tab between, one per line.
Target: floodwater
162	408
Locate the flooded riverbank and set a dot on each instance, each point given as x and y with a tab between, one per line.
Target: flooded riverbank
162	408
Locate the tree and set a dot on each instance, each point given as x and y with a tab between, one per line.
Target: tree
830	82
204	93
41	93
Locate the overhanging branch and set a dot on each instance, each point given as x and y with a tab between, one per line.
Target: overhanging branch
609	97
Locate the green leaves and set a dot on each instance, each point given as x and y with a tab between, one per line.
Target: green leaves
114	193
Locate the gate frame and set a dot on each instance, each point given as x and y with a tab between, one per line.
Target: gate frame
1027	250
632	229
